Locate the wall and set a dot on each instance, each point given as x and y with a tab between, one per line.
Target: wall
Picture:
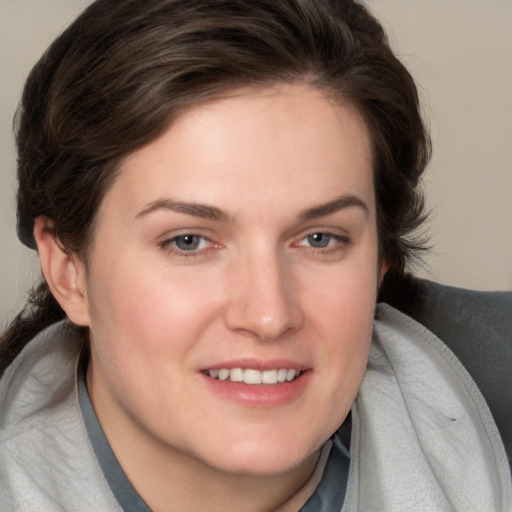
27	27
459	51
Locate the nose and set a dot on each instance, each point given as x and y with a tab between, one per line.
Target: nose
263	300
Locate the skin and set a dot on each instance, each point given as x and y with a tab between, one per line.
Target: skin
269	169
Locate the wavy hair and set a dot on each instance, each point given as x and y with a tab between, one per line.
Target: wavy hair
115	79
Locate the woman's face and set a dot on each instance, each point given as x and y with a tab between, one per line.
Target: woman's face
232	282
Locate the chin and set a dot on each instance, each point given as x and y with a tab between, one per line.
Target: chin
261	458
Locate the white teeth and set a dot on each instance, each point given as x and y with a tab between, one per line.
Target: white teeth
236	375
223	374
290	375
269	377
251	376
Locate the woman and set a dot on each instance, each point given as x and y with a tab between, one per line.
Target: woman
217	191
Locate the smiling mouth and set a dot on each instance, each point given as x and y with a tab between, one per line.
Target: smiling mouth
252	376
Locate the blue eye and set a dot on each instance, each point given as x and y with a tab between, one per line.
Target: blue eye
319	240
324	243
188	242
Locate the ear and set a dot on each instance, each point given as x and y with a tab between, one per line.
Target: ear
64	272
384	267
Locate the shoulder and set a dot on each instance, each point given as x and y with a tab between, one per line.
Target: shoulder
451	309
46	460
477	327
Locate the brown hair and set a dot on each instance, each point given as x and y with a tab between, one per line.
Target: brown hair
116	78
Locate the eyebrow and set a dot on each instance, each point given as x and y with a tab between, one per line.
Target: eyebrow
195	209
216	214
340	203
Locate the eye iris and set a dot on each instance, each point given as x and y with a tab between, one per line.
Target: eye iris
319	240
187	242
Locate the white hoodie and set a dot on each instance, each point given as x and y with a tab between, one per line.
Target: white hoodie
423	438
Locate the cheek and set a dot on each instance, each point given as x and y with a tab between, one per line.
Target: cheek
144	301
341	315
344	299
143	325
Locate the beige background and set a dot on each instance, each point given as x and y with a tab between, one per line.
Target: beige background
459	51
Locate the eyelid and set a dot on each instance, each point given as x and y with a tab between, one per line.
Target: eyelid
334	236
342	242
167	243
334	231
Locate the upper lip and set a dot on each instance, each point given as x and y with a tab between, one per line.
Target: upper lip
257	364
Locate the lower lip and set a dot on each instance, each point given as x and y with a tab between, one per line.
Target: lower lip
260	395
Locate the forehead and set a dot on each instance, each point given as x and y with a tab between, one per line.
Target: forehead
274	142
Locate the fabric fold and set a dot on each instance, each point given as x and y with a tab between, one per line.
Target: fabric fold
423	437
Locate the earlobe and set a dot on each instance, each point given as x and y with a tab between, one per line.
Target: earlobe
64	272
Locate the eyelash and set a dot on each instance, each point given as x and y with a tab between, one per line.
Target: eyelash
340	245
170	246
